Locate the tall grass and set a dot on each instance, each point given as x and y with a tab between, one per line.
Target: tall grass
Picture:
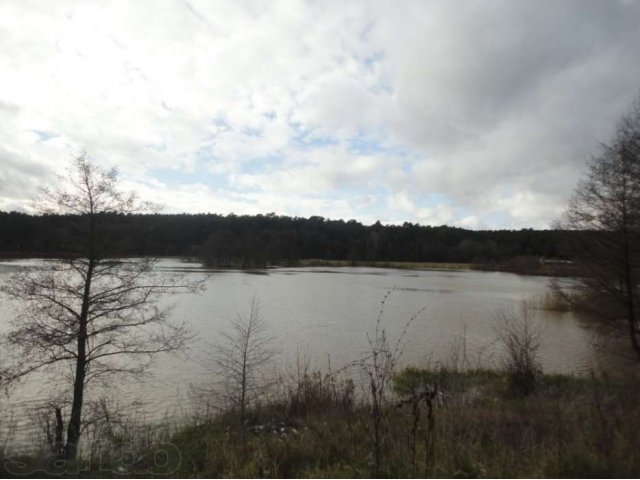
444	423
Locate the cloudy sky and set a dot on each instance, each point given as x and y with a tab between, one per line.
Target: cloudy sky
478	114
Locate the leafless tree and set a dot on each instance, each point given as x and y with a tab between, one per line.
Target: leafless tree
241	359
605	210
95	313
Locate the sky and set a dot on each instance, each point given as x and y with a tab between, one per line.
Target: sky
477	114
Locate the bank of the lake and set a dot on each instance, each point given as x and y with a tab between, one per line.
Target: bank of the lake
571	427
474	427
521	265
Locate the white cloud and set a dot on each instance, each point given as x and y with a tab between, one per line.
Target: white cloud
474	114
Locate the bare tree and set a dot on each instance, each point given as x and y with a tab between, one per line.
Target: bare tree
605	209
88	310
241	359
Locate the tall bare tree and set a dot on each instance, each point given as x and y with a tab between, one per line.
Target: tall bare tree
89	310
605	209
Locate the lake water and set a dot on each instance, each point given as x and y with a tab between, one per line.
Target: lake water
324	315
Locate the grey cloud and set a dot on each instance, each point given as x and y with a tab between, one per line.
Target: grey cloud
501	101
9	107
19	179
507	94
477	62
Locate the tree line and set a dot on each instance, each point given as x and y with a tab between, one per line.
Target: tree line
260	240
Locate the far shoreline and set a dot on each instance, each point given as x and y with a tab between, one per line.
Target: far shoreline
516	265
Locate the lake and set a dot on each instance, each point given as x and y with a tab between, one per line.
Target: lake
323	316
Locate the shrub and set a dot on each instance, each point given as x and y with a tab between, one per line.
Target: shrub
521	340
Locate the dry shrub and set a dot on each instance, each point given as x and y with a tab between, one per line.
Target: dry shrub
521	340
318	393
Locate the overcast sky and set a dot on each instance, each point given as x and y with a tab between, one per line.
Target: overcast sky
478	114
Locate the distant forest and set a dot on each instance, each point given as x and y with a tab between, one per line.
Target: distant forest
259	240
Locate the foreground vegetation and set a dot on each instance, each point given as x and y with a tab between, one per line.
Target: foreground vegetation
476	427
437	423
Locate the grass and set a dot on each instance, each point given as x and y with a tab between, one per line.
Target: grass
570	427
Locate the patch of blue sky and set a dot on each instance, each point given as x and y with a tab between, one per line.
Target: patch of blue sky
43	135
374	58
251	132
220	122
361	144
311	140
263	164
204	154
366	145
385	81
385	85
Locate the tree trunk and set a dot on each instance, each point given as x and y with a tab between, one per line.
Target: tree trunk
57	443
73	431
74	428
243	392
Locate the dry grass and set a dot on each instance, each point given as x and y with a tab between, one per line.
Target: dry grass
569	427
